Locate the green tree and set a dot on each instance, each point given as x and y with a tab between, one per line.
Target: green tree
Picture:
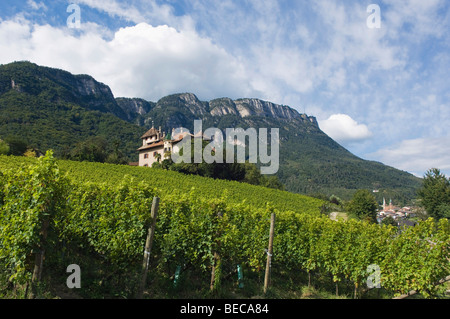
363	205
252	174
435	194
4	148
274	182
116	156
91	150
17	146
335	200
166	164
389	221
444	210
242	172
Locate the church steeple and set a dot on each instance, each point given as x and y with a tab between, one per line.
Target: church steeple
168	136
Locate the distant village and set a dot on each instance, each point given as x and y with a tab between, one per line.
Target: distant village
401	215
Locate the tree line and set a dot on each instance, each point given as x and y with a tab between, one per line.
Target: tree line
433	196
241	172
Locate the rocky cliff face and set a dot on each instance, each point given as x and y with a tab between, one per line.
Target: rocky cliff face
242	108
134	107
96	96
184	102
193	103
59	86
223	106
255	107
86	86
176	109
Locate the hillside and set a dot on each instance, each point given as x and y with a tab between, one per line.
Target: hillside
205	243
53	109
310	161
164	181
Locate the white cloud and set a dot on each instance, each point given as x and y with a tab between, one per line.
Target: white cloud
37	6
138	61
115	9
344	129
417	155
148	11
422	19
352	41
318	57
321	54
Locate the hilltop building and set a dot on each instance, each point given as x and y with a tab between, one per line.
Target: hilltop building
158	146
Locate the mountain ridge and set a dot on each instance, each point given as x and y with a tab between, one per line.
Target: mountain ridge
304	167
58	109
244	107
83	89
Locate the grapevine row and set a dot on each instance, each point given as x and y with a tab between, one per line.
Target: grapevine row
110	221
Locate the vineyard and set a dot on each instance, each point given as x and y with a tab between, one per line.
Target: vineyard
176	184
57	213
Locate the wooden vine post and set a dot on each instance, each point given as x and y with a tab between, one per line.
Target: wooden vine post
269	253
148	247
39	257
216	262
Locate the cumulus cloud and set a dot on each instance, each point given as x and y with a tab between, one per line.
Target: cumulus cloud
417	155
318	57
344	129
139	61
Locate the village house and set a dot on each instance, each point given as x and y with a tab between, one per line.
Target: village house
157	146
400	215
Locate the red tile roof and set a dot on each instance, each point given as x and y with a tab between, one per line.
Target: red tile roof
148	147
150	133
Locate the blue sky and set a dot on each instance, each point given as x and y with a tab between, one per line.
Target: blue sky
382	93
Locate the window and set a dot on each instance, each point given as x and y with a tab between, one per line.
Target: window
154	154
146	165
145	155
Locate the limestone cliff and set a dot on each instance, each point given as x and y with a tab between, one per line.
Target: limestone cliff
134	107
255	107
